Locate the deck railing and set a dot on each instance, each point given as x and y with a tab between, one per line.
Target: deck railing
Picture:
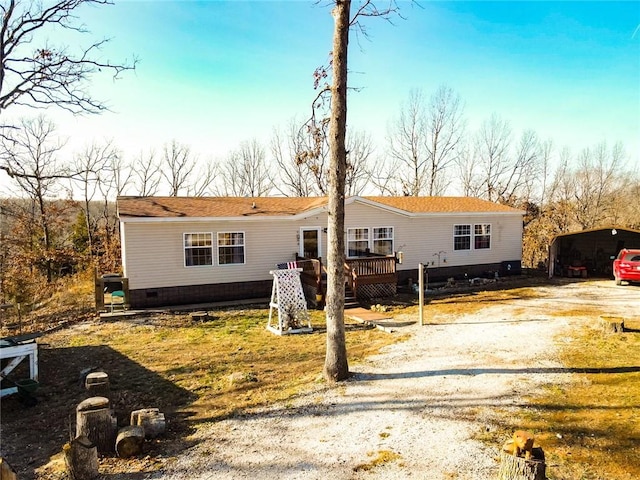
358	272
311	273
369	271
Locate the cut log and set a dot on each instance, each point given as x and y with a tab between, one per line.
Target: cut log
95	420
81	459
6	472
612	324
151	419
130	441
97	384
518	468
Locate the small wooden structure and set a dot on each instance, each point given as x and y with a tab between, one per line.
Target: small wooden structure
287	298
17	352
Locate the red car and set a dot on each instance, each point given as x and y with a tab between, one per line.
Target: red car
627	266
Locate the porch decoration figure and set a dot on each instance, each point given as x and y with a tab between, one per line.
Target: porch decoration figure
287	296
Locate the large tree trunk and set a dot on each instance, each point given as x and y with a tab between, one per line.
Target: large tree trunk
336	366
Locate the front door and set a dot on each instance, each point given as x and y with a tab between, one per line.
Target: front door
310	242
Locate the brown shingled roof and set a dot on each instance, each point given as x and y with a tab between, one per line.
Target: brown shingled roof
287	206
441	204
215	206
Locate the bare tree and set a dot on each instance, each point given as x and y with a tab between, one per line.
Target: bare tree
294	176
176	166
204	183
94	165
37	74
359	150
522	172
245	172
336	366
383	175
408	146
424	141
492	152
145	172
468	174
31	156
445	128
546	152
596	181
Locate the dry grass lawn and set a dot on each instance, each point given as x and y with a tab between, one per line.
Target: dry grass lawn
200	372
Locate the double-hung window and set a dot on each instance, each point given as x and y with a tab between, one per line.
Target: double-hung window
462	237
198	249
357	242
383	240
482	236
230	248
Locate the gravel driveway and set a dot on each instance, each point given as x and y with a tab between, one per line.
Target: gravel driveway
417	405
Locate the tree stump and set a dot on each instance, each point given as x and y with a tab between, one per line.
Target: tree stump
612	324
81	459
97	384
6	472
95	420
130	441
151	419
518	468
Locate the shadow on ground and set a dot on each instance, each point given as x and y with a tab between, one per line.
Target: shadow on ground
31	435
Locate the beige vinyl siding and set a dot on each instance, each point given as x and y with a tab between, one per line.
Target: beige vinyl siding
419	238
153	251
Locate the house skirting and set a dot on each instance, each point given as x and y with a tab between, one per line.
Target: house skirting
192	294
441	274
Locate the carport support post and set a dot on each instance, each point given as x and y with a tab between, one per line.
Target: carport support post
421	291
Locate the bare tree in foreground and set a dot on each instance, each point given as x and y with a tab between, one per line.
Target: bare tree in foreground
336	366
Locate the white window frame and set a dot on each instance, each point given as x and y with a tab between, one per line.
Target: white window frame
483	233
372	248
349	240
243	245
185	248
465	235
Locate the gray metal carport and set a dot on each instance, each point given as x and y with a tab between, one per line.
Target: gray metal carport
592	249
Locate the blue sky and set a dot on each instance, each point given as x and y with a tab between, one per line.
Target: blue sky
215	73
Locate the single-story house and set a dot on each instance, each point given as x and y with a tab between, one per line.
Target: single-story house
589	252
193	250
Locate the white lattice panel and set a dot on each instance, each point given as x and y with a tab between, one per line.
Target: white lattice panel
287	296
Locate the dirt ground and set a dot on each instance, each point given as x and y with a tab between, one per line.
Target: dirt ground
411	412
